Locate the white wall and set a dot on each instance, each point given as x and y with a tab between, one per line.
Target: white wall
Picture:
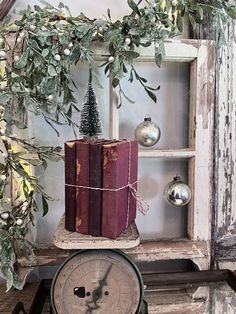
170	113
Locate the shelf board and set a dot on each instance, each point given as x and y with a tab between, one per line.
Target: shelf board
151	153
169	153
175	51
147	251
73	240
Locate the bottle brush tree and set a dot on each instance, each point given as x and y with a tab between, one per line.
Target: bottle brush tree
90	123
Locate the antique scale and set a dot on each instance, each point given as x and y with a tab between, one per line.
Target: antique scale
98	282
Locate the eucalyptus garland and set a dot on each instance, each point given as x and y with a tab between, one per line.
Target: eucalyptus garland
37	52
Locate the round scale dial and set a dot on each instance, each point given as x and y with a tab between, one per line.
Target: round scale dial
97	282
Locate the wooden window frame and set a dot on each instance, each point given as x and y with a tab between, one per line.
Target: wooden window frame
200	54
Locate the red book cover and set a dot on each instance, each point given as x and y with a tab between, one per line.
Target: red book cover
95	180
82	179
118	207
70	191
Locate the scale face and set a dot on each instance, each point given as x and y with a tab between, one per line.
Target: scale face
97	282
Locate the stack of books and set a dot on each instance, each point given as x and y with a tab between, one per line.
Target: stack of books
99	177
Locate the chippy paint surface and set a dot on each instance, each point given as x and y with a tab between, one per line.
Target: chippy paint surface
225	154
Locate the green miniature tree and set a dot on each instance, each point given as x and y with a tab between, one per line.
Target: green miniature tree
90	123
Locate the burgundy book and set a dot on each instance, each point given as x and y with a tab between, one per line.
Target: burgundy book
82	179
95	180
118	207
70	191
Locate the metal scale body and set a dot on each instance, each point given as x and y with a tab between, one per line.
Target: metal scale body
98	282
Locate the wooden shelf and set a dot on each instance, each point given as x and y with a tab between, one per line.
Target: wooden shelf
169	153
147	251
73	240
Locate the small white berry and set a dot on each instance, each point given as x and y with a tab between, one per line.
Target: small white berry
16	58
4	155
2	54
127	40
22	34
23	209
70	45
19	222
50	97
100	29
111	59
57	57
66	52
3	177
32	27
18	40
25	203
95	34
4	216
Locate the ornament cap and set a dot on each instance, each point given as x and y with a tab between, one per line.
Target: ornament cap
147	118
177	178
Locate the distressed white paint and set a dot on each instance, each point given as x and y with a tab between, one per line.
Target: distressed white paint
225	154
201	138
168	153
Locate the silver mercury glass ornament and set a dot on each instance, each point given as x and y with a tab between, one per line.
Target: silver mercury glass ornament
177	192
147	133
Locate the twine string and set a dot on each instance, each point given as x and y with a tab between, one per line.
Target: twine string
142	205
129	166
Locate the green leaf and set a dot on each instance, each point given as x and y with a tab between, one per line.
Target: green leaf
192	21
109	13
134	7
45	205
231	11
115	82
45	52
151	95
75	54
179	22
51	70
158	59
8	275
143	79
23	60
5	98
130	54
